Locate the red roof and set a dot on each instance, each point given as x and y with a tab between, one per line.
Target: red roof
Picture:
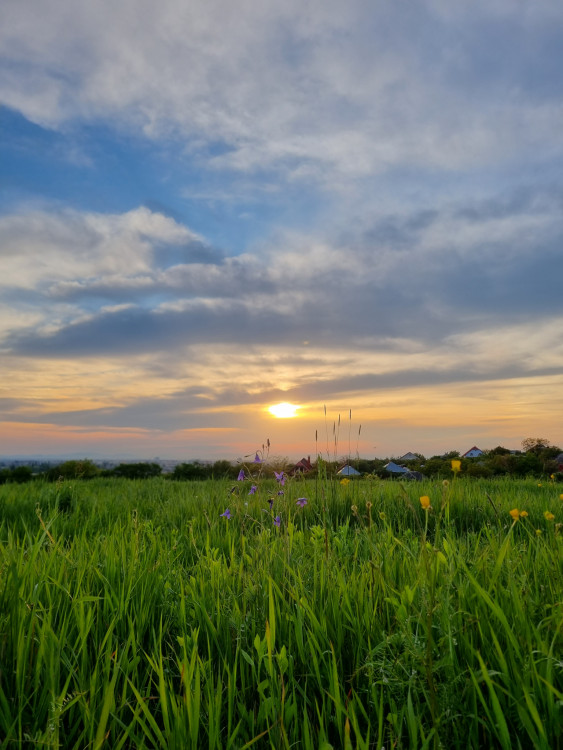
302	466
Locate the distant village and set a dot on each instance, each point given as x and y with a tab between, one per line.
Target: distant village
537	457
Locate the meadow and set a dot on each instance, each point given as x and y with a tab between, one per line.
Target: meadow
368	614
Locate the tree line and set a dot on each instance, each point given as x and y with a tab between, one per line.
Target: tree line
537	458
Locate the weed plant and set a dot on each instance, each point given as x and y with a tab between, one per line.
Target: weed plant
143	615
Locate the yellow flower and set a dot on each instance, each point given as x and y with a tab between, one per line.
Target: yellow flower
456	465
515	513
539	485
561	497
552	476
382	516
344	481
548	516
538	532
523	514
425	502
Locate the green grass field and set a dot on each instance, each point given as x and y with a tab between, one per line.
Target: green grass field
136	615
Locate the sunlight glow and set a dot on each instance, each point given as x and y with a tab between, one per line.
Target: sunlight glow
283	411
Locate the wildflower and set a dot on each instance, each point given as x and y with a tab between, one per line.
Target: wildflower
302	502
277	521
257	459
253	489
280	477
425	502
382	516
523	514
344	481
552	476
515	513
241	476
539	484
561	497
368	505
354	510
538	532
280	492
271	503
226	514
456	465
446	483
548	516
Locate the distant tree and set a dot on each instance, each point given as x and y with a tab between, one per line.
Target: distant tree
137	470
498	451
477	469
224	469
534	445
84	469
187	471
524	464
438	466
450	455
499	463
279	463
364	465
18	475
22	474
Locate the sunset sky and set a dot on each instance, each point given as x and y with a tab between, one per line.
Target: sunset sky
210	207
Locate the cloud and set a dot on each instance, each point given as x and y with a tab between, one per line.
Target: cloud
326	90
38	247
92	283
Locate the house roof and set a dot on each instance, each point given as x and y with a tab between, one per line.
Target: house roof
395	468
349	471
479	451
303	465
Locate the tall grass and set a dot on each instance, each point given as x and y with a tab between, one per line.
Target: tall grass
132	615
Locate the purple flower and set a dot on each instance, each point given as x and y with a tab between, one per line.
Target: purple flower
226	514
301	502
257	459
277	521
280	492
280	477
253	489
241	476
271	503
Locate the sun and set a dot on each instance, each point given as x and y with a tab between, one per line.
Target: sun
283	411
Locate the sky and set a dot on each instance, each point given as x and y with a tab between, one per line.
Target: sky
208	207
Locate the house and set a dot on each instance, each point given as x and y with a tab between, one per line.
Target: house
416	475
348	471
473	453
395	468
409	457
302	467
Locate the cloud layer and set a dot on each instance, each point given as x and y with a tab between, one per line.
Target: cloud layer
351	88
211	207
